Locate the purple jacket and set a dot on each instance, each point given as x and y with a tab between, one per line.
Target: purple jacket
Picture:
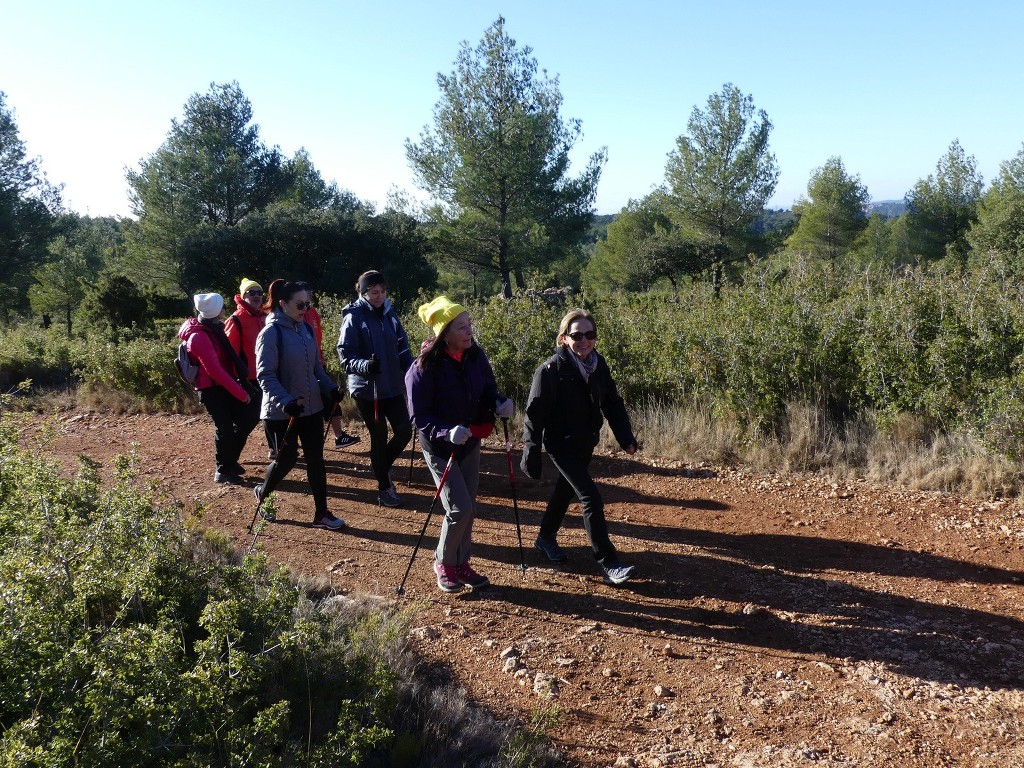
447	393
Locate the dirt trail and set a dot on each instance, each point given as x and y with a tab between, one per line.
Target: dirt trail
776	621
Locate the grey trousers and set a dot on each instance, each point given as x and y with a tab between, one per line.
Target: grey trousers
459	499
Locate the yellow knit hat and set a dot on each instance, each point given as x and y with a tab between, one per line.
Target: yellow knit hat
247	284
439	312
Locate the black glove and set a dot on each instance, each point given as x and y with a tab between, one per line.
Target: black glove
372	366
294	409
337	395
531	463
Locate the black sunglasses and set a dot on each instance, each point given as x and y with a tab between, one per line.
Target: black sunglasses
300	305
253	292
581	335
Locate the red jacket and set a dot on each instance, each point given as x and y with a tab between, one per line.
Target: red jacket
215	365
313	318
242	328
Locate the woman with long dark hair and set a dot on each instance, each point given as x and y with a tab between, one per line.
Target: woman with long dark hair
295	388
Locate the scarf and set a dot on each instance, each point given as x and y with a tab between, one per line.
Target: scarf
585	367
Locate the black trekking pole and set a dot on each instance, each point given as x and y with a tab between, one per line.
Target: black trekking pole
437	494
515	500
288	432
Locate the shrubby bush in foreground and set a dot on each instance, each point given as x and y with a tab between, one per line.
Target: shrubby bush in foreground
131	638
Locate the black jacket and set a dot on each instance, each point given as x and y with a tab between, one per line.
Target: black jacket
564	412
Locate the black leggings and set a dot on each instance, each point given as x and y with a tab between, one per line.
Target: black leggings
384	452
233	420
574	480
307	431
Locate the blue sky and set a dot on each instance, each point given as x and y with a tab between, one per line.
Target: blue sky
886	86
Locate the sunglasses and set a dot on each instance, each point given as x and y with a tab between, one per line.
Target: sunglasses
581	335
301	305
253	292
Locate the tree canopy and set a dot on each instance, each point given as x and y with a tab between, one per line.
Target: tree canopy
212	170
1000	223
497	161
834	212
215	203
29	209
941	207
722	173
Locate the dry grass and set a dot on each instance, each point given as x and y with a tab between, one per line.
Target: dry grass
907	452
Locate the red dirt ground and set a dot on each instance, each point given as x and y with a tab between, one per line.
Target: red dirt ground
776	620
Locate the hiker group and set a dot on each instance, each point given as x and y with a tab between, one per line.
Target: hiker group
265	362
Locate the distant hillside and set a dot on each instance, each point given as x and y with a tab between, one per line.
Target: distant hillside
889	209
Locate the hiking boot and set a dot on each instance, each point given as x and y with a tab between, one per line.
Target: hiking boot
550	548
267	514
237	469
389	498
447	578
330	522
466	575
227	477
344	440
616	573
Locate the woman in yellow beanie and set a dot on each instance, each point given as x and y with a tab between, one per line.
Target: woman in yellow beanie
242	328
454	399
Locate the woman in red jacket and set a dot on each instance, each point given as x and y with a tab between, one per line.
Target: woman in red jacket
221	385
242	328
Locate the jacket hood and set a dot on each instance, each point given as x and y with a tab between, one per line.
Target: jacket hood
240	304
366	306
189	327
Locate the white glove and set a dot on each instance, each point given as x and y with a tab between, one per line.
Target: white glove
503	410
458	435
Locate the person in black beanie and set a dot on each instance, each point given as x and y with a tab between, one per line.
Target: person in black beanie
222	385
374	351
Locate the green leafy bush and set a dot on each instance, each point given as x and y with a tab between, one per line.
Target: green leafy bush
939	345
129	639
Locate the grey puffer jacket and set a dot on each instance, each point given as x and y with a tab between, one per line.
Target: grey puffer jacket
288	367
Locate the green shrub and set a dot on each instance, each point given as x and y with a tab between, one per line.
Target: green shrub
127	640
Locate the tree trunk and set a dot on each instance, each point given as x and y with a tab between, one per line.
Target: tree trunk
716	279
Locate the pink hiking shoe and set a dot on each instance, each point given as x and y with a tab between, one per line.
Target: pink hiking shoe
447	578
466	575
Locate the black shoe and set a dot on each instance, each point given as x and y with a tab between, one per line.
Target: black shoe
389	498
227	477
551	550
237	469
330	522
344	440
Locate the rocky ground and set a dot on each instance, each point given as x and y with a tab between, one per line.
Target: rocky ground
776	621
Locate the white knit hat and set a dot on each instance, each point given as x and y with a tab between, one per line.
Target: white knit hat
208	305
